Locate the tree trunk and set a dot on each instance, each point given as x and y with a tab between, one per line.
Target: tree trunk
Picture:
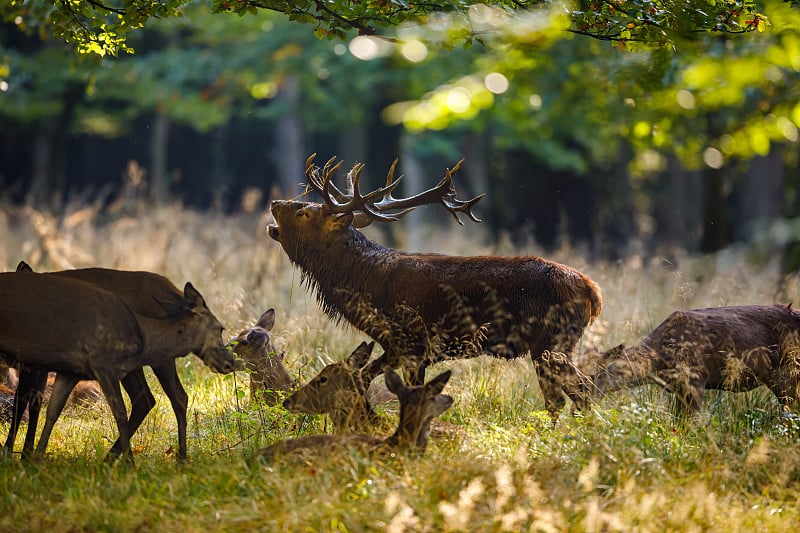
47	181
714	224
159	150
476	166
763	194
220	176
413	183
288	151
684	209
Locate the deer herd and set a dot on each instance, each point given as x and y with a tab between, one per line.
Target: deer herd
418	308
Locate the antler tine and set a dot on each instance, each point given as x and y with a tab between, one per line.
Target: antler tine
316	182
444	193
453	204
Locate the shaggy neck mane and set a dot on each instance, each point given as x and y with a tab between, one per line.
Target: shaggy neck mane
336	274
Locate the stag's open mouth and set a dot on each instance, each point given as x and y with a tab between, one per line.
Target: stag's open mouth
272	229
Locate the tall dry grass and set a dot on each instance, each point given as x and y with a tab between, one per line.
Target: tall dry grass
626	465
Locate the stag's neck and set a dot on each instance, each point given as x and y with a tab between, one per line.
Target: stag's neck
355	267
167	338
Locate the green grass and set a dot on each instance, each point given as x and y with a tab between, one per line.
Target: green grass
628	464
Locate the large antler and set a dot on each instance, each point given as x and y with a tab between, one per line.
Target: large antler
379	204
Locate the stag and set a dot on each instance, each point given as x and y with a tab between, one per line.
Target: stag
53	323
535	306
419	405
147	294
725	348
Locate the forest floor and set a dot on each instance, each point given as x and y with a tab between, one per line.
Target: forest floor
626	464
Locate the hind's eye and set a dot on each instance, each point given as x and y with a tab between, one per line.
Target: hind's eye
323	379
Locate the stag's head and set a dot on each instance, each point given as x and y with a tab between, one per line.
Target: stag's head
298	222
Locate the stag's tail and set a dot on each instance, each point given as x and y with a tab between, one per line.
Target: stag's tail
594	301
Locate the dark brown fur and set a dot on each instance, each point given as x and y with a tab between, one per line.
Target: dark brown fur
726	348
145	293
524	304
50	322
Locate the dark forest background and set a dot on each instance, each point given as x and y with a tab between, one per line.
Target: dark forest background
692	146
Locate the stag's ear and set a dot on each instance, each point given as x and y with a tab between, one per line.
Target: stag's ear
192	296
24	267
437	384
361	354
267	319
393	382
341	221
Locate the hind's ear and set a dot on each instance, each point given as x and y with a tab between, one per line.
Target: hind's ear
437	384
24	267
361	354
393	381
173	306
615	352
267	319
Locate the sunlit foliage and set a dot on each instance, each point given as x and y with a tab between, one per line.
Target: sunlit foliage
102	26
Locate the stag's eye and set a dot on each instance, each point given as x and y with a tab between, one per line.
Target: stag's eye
323	380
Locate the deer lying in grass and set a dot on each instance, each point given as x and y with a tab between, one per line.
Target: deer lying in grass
268	374
145	293
537	306
418	407
340	392
50	322
725	348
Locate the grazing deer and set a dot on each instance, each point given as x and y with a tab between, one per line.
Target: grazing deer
50	322
268	375
726	348
146	294
524	304
418	407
